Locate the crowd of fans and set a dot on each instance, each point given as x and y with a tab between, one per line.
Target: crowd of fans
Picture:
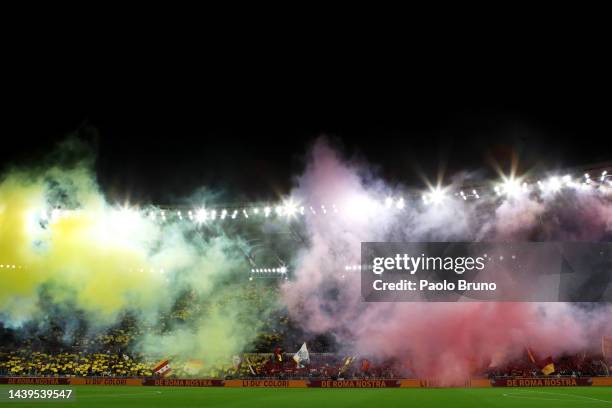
25	363
566	366
37	352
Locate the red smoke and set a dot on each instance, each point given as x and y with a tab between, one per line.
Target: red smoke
448	341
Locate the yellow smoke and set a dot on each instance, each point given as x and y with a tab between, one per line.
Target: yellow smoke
71	248
94	256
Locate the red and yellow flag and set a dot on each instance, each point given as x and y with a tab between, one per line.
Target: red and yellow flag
548	367
162	368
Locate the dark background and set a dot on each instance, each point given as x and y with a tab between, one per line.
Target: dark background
243	128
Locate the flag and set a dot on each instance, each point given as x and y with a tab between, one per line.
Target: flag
302	356
162	368
547	366
250	366
530	355
278	355
606	347
348	360
365	365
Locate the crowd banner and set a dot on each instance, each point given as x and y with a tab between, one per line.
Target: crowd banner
602	381
410	383
104	381
542	382
35	380
183	382
370	383
313	383
266	383
480	383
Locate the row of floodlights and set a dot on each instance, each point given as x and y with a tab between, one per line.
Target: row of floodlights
513	187
281	270
508	187
9	266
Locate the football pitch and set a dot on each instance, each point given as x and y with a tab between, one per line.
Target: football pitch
178	397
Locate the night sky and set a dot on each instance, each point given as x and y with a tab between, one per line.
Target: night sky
159	139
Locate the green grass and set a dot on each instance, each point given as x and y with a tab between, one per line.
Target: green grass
171	397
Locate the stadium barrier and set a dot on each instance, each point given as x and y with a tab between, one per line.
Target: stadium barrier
542	382
313	383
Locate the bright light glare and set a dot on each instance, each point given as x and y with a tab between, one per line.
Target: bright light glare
511	187
290	208
200	215
436	196
554	184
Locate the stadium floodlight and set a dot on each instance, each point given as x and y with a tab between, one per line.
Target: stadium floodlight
388	202
323	209
302	210
290	208
435	196
244	212
200	215
603	175
313	211
267	211
335	208
511	187
213	214
255	210
223	214
279	210
400	204
554	184
283	269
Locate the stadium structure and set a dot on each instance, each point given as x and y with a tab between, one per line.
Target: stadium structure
267	242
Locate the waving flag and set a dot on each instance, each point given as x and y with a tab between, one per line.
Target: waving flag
348	360
278	355
547	366
302	356
530	355
162	368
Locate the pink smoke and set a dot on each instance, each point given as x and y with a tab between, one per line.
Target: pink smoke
448	341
